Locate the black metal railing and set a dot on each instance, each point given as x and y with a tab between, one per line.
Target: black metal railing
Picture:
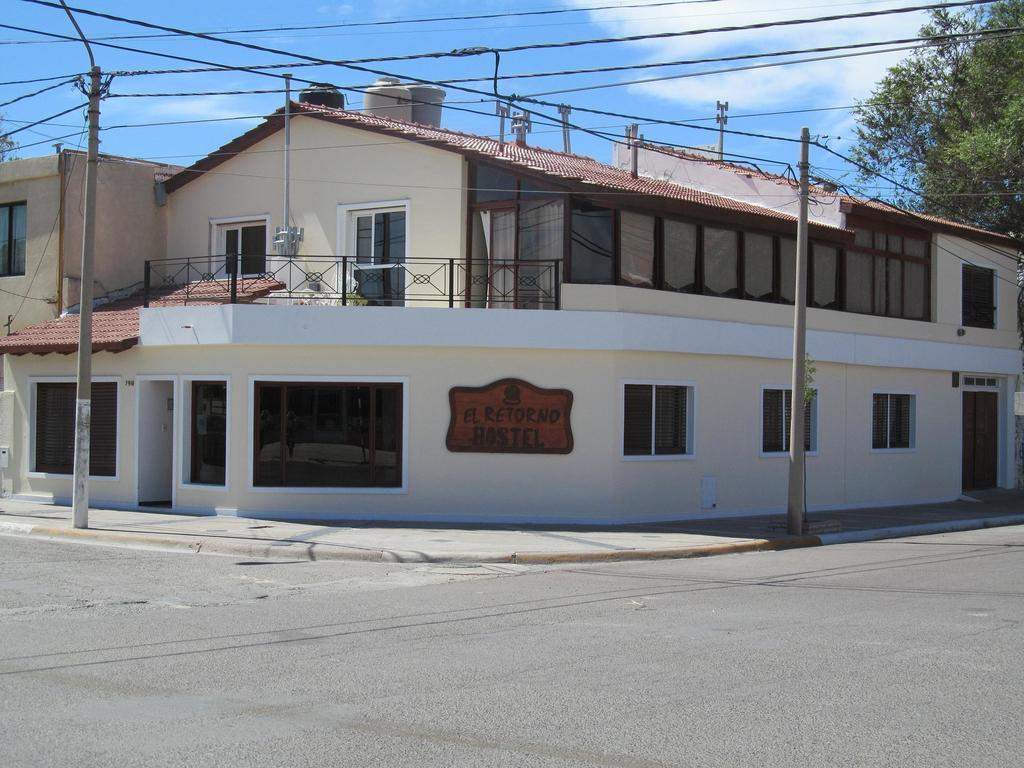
345	280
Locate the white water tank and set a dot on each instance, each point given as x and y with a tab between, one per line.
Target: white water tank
426	104
388	98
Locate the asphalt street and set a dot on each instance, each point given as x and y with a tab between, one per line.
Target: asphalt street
903	652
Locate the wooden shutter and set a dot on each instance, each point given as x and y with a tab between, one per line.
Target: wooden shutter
670	420
636	427
103	432
879	421
978	297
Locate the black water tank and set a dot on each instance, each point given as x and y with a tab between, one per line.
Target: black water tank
323	95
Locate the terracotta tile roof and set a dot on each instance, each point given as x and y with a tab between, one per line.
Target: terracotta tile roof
857	204
578	171
115	326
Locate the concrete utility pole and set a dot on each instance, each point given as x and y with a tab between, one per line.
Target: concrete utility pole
565	110
797	458
721	118
83	399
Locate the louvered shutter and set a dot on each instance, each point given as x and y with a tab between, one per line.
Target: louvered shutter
55	427
978	297
899	421
103	430
670	420
773	419
636	428
879	421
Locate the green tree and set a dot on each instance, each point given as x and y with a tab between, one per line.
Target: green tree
949	121
6	145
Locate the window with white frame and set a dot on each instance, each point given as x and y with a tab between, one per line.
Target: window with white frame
246	239
53	424
776	411
378	241
657	420
892	421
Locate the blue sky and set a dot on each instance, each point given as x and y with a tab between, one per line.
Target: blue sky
805	86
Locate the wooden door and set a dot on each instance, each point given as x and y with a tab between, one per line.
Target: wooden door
980	432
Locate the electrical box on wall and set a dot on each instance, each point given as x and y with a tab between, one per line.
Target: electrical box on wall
5	456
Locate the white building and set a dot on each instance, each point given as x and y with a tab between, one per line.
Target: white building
643	325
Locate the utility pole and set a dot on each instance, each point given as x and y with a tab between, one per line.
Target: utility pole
797	458
721	118
287	249
83	399
565	110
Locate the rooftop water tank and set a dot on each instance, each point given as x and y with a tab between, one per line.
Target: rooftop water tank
426	104
388	98
322	95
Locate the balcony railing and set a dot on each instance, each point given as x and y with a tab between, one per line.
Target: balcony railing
344	280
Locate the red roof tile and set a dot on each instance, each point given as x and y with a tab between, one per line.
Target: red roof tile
559	166
115	326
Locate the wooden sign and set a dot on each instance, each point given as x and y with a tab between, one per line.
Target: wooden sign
509	416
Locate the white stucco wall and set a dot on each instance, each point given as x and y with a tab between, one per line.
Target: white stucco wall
573	350
331	165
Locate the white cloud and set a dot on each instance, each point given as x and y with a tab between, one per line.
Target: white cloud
823	83
199	108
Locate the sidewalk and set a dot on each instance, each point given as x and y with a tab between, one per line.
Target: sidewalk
417	542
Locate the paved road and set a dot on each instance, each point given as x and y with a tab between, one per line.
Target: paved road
902	653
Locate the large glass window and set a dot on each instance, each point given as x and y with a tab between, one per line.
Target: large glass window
636	246
328	435
13	238
55	428
758	267
825	269
787	270
593	243
720	262
895	267
209	432
858	281
680	256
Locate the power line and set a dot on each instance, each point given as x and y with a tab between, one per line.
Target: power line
421	20
44	120
43	79
532	46
35	93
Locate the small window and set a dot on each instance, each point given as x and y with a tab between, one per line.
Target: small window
979	297
892	422
209	432
776	411
13	234
656	420
55	428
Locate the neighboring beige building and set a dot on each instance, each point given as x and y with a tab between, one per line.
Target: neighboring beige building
391	369
41	246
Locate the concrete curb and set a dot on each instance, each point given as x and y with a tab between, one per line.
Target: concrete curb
923	529
285	549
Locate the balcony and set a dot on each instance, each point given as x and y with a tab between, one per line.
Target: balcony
345	281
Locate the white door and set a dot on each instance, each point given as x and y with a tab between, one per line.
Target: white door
156	441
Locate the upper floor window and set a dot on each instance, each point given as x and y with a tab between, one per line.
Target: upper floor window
12	238
247	239
978	289
888	274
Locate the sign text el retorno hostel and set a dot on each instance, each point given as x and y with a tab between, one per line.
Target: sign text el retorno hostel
509	416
